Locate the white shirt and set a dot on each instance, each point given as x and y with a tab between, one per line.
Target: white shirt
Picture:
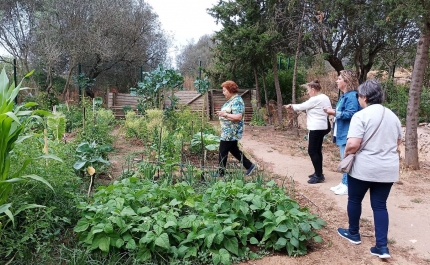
316	117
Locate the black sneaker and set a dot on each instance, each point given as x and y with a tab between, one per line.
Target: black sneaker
251	169
316	179
310	176
354	239
381	252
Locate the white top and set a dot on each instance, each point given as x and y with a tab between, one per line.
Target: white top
379	160
316	117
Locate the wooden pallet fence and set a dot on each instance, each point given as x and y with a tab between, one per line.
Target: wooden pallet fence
213	101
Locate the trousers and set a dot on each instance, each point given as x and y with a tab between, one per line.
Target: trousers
315	140
378	200
231	146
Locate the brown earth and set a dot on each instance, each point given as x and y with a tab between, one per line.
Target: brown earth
284	154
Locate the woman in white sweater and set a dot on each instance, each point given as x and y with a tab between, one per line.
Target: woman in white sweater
317	124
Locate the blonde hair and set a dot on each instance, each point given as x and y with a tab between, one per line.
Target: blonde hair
350	78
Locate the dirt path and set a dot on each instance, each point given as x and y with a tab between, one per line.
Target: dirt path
408	204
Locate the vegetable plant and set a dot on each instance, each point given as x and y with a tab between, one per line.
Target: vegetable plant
152	218
12	122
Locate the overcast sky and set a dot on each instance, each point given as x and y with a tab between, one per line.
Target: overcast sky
186	20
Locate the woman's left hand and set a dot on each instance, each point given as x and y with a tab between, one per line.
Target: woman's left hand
221	113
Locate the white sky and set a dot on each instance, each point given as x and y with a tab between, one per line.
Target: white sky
186	20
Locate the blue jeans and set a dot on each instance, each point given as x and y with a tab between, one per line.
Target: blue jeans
342	153
378	200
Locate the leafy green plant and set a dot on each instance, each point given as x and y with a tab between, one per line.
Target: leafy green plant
91	154
151	91
257	115
157	218
210	141
12	122
57	125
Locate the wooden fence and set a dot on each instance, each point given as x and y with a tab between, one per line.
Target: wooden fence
213	101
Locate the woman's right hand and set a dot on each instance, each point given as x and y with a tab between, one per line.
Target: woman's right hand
288	106
329	110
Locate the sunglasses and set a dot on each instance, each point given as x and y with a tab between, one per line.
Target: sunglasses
358	95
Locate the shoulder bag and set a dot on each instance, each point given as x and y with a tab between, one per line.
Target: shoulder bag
346	164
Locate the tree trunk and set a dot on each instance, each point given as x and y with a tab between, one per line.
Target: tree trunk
278	90
421	60
296	59
257	89
269	115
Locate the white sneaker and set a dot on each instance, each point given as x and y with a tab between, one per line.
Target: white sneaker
343	190
336	187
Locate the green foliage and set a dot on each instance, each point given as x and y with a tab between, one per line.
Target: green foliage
91	154
397	96
151	219
257	115
210	142
39	231
98	126
12	123
202	85
285	82
57	125
156	84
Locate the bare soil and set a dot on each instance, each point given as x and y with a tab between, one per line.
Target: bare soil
284	155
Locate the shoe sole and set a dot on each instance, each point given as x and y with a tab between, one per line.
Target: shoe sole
249	174
383	256
352	241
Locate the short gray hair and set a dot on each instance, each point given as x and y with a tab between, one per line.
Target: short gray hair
372	91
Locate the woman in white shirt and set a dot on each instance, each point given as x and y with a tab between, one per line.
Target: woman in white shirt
317	124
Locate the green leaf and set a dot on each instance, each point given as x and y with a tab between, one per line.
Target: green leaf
163	241
317	239
131	244
28	206
104	243
281	228
40	179
148	238
232	245
128	211
170	224
225	257
282	242
268	214
108	228
119	243
253	241
143	210
82	225
209	240
144	254
294	242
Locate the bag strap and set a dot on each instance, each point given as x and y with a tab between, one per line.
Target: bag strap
363	145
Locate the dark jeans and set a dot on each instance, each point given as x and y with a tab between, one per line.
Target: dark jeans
378	200
233	148
316	138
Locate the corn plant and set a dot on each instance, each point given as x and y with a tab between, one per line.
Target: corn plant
12	123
